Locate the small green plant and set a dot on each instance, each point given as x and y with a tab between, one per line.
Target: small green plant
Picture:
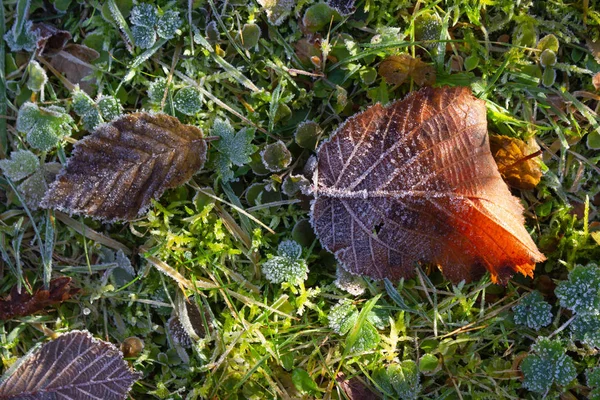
37	76
147	24
547	365
342	317
593	381
581	292
233	148
21	164
533	311
187	101
94	113
21	36
317	17
44	127
250	35
286	266
307	135
276	156
399	380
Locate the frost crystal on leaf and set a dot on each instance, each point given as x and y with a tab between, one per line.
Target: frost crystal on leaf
24	40
22	163
290	249
156	90
276	156
547	364
168	24
143	36
233	148
110	107
581	292
281	269
37	76
342	317
533	311
353	284
187	101
144	14
86	108
586	329
44	126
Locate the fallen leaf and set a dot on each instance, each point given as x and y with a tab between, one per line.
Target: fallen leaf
73	366
74	63
596	81
415	181
396	70
114	172
50	39
518	161
22	304
354	388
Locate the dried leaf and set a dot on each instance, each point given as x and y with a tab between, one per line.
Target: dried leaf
114	172
415	181
74	63
396	70
596	81
50	39
23	304
518	161
73	366
354	388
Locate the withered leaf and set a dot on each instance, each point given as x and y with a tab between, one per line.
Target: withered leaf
415	181
114	172
50	39
22	304
518	161
396	70
73	366
73	61
354	388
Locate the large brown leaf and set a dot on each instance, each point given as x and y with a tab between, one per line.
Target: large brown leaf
114	172
415	181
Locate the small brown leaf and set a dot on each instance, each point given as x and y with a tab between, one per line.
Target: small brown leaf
518	161
396	70
73	366
596	81
355	389
51	40
415	181
73	61
23	304
114	172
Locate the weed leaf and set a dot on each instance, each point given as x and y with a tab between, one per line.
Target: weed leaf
114	172
74	366
415	181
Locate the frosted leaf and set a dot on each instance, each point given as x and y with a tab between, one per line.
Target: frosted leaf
413	182
109	107
33	189
428	27
156	90
187	101
404	378
187	324
236	146
277	10
144	37
168	24
212	31
593	377
367	338
86	108
581	292
290	249
342	317
73	366
37	76
22	163
276	156
280	269
144	14
547	364
353	284
250	35
586	329
307	134
292	184
113	173
25	40
44	126
223	167
533	311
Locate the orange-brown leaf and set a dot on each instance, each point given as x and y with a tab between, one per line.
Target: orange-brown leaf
115	172
415	182
396	70
518	161
22	304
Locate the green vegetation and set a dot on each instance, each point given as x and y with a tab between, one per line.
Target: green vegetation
266	81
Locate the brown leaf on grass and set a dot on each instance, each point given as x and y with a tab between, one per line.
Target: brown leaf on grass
396	70
23	304
74	63
114	172
73	366
355	389
415	182
518	161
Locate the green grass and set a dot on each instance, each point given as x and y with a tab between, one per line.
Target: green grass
210	237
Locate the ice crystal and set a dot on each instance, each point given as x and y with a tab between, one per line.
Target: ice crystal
22	163
581	292
547	364
533	311
187	101
168	24
342	317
